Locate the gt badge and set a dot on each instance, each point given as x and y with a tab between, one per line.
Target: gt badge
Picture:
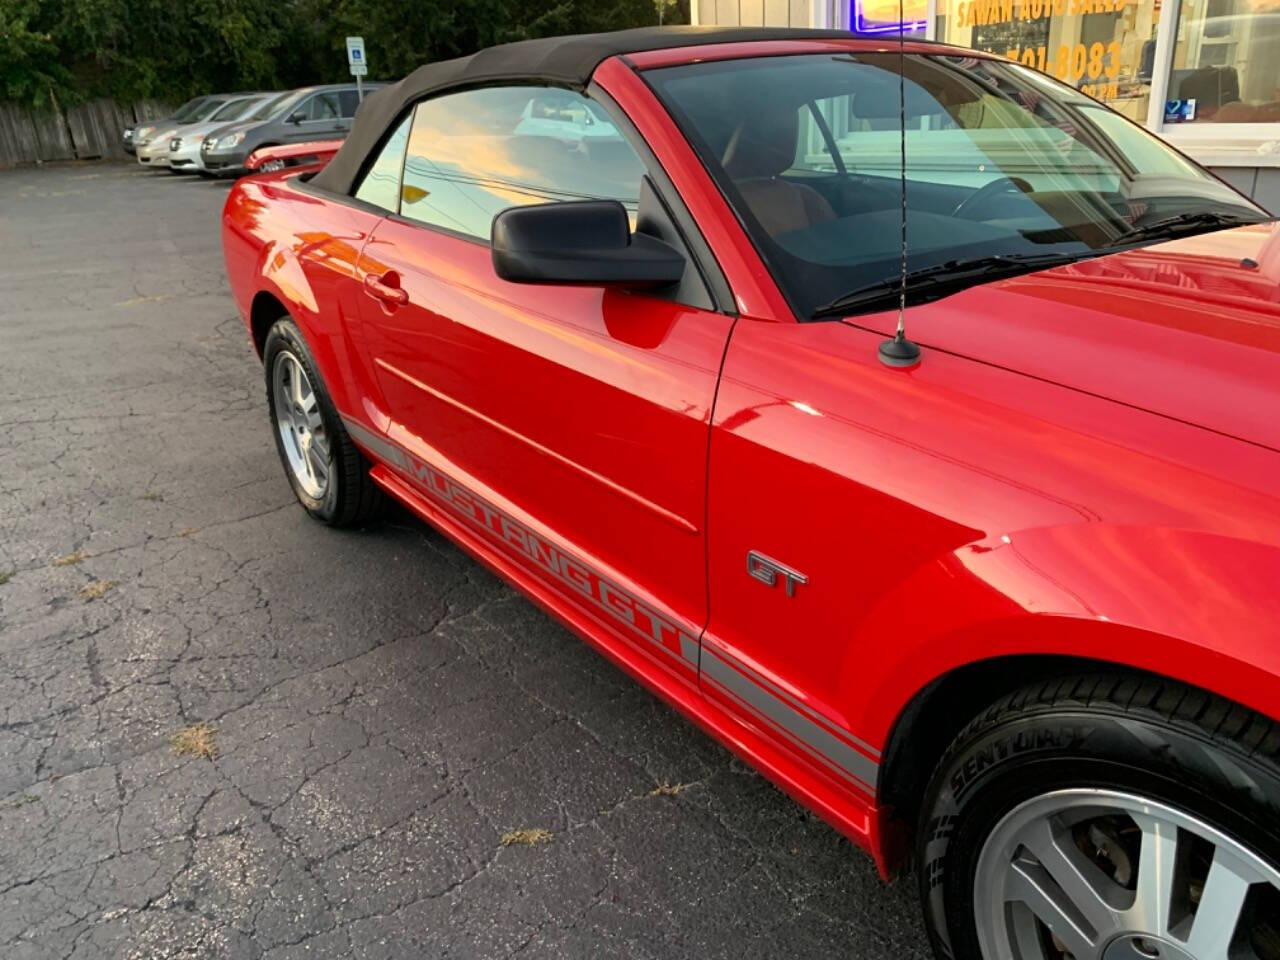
767	571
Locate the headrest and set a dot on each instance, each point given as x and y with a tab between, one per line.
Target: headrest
764	143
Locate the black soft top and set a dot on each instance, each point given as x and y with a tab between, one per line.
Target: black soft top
560	61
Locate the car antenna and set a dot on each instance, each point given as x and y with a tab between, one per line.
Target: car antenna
899	351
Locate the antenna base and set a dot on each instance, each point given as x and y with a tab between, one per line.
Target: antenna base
899	352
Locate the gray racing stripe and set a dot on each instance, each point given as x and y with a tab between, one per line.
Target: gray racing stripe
802	707
718	666
602	592
756	691
382	448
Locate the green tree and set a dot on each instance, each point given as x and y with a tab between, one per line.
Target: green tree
30	65
67	50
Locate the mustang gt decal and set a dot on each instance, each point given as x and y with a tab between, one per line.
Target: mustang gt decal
637	616
767	571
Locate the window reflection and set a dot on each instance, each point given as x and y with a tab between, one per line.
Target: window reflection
472	155
1226	63
381	185
1104	48
1001	161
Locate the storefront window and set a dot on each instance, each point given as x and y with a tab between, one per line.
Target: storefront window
882	16
1104	48
1226	63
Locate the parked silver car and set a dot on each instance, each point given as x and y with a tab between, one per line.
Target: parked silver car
145	130
152	146
184	145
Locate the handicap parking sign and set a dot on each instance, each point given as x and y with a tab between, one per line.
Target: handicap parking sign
355	57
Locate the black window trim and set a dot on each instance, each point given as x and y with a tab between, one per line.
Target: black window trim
751	227
367	166
704	259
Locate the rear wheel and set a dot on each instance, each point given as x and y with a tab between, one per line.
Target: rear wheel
328	474
1106	818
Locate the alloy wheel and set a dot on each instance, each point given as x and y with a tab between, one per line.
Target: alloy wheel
302	433
1105	875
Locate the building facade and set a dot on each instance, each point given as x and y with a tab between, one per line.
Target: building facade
1202	74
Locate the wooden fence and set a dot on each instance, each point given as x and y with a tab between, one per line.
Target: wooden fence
88	131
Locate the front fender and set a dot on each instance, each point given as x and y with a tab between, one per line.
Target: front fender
1193	606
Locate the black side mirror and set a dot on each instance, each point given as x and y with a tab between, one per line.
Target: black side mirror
587	242
294	118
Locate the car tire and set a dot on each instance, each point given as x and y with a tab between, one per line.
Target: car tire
1039	825
308	433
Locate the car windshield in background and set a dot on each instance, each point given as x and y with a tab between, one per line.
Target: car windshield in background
275	105
236	109
1007	171
184	112
272	107
207	109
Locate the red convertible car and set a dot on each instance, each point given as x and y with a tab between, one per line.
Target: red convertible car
608	311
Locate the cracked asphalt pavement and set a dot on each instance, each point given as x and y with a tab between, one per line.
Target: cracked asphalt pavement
383	710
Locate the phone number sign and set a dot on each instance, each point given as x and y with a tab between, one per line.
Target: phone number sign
1095	68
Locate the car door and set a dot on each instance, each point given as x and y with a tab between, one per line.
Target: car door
576	418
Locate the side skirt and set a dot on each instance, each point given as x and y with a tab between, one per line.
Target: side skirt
862	822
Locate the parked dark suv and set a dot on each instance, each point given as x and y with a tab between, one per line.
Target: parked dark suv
308	113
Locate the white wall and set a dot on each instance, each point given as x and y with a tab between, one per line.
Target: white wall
762	13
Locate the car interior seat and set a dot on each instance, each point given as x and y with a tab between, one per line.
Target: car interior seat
761	148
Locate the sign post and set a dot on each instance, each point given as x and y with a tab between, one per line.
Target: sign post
356	61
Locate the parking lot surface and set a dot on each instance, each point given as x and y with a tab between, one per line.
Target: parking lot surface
227	731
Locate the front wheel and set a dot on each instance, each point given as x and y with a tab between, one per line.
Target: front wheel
1106	818
328	474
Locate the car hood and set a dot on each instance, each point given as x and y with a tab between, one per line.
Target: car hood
201	128
1188	328
156	126
239	126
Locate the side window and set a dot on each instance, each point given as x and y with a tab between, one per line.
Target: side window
381	183
322	106
557	107
347	103
473	154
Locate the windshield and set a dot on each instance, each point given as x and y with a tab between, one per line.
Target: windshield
1001	162
235	109
207	109
188	108
271	107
